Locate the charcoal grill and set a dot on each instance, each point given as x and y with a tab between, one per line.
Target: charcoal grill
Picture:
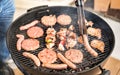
89	63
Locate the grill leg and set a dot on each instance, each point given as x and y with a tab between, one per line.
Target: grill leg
104	71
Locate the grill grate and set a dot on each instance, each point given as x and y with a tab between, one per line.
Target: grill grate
88	61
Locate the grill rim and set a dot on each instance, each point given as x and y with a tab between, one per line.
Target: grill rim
19	66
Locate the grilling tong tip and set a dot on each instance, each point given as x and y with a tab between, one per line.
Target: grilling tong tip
81	16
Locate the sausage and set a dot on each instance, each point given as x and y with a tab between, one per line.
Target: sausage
74	55
64	19
47	56
33	23
35	32
33	57
66	61
88	47
48	20
55	66
19	41
30	44
98	44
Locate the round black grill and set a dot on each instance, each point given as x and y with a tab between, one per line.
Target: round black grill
88	61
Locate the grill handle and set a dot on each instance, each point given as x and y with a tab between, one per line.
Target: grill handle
104	71
42	8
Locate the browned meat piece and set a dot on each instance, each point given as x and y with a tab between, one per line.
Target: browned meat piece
64	19
66	61
74	55
35	32
47	56
71	39
49	20
94	32
90	23
51	31
19	41
33	57
30	44
88	47
62	33
71	28
33	23
98	44
55	66
80	39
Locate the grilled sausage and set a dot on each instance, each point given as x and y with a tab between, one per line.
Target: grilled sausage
33	57
88	47
64	19
30	44
66	61
98	44
74	55
35	32
33	23
47	56
55	66
48	20
19	41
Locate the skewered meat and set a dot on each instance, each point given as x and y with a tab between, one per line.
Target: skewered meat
50	38
62	33
98	44
35	32
62	36
51	31
50	45
33	57
47	56
88	47
64	19
71	28
19	41
55	66
66	61
30	44
33	23
74	55
61	45
48	20
94	32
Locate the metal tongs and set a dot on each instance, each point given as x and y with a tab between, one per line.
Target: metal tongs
81	16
